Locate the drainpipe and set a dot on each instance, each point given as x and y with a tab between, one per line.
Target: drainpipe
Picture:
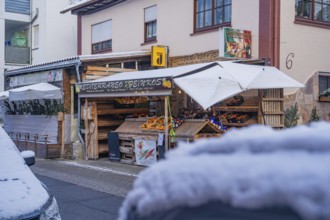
79	113
33	19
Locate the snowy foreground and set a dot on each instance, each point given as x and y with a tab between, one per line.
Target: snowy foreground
254	167
20	191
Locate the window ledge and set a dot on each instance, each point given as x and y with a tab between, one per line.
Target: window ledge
210	29
102	51
149	42
314	23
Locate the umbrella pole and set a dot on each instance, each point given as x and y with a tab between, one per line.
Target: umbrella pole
261	108
166	123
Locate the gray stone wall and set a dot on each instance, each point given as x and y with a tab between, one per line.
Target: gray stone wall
308	98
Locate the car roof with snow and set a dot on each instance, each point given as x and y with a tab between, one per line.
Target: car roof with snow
250	168
20	191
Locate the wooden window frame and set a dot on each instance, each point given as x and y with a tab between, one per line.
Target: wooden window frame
103	49
213	9
101	43
153	38
327	76
310	21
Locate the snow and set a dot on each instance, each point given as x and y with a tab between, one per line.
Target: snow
253	167
27	154
101	169
21	192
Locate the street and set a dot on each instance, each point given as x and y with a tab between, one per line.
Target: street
86	189
79	203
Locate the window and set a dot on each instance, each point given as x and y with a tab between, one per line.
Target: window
315	12
324	86
35	36
212	13
150	24
102	37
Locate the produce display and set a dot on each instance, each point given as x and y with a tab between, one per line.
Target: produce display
155	124
131	100
235	101
235	117
176	122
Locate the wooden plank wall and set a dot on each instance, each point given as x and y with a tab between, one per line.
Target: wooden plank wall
272	106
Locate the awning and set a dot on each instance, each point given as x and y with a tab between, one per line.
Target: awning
36	91
207	83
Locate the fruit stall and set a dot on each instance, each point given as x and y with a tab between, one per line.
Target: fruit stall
165	106
141	130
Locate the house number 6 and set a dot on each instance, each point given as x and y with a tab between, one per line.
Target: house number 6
289	61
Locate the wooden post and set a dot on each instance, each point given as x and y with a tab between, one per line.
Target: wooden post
60	121
86	129
166	123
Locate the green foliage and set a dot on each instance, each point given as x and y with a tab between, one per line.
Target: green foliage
34	107
314	115
291	116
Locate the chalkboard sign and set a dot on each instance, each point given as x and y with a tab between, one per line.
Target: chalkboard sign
113	143
122	86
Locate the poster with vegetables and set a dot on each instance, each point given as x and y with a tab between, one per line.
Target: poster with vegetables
145	152
238	43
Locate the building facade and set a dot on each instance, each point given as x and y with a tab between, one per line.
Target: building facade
33	31
284	34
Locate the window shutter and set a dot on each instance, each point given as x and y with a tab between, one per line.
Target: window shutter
150	14
102	31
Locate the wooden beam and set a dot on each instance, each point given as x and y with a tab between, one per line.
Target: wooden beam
108	69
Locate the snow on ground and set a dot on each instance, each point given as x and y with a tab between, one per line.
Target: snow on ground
20	191
251	168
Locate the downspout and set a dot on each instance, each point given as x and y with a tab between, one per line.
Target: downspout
79	113
33	19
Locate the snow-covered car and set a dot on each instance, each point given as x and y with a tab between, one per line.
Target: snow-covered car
22	195
253	173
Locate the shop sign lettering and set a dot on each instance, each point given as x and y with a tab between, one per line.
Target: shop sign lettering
134	85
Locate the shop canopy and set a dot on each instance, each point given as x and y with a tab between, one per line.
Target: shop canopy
36	91
207	83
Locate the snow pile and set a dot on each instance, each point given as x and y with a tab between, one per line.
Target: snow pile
20	191
251	168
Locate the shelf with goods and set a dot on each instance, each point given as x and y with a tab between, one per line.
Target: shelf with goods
105	117
132	129
246	113
258	107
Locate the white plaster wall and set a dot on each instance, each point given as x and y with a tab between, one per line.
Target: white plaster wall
57	32
38	54
2	40
310	45
174	26
245	16
61	31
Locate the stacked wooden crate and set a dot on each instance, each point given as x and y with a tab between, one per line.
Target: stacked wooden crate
126	150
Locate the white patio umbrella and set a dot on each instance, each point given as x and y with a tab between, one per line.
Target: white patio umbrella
4	95
259	77
36	91
208	85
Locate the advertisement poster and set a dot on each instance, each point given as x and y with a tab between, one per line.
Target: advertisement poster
145	152
238	43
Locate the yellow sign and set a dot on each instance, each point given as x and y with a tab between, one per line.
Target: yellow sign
159	56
